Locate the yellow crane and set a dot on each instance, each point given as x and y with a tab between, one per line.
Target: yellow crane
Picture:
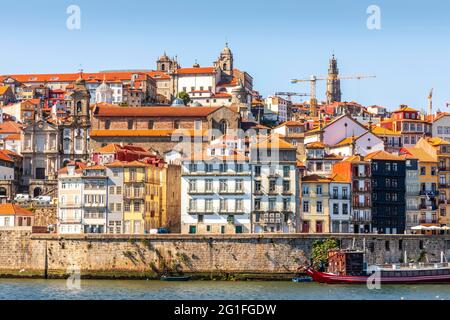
313	81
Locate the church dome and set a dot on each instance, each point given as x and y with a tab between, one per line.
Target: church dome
226	50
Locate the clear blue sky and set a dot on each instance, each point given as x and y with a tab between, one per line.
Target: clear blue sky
272	40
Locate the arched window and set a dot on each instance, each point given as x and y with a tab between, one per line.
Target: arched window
224	66
223	127
163	67
79	107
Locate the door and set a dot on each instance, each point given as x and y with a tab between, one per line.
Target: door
319	227
192	229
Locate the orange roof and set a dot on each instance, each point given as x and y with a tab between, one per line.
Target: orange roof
114	111
148	133
382	155
14	136
338	178
315	178
435	141
381	131
273	142
72	77
8	209
347	141
122	164
95	167
10	127
290	124
405	108
193	70
441	115
316	145
3	89
5	157
420	154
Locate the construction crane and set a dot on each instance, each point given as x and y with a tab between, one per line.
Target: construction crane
313	81
289	95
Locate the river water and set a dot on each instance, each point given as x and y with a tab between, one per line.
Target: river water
11	289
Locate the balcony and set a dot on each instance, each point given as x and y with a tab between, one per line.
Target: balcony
230	212
200	192
428	207
361	190
258	192
94	205
339	197
364	205
203	212
70	220
444	169
430	193
226	191
287	193
429	221
444	186
131	196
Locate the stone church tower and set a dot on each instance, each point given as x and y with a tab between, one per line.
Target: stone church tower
75	131
166	64
333	83
225	61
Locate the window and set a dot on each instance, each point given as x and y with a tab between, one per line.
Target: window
119	190
223	185
257	171
127	207
286	186
239	168
388	166
176	124
257	186
239	205
208	205
208	185
200	218
272	204
239	185
305	190
198	125
335	208
319	207
286	171
107	124
272	185
319	190
394	167
423	171
151	124
130	124
137	206
223	167
345	208
257	204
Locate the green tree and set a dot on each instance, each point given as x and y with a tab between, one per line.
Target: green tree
185	97
320	250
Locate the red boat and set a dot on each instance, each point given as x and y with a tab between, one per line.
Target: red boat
398	276
347	267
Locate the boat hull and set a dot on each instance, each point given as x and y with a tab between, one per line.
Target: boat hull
330	278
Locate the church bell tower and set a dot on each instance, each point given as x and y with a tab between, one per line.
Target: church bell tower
333	83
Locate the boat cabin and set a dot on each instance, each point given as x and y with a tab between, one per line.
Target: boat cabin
346	262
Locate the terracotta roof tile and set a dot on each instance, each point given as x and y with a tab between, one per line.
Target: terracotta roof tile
7	209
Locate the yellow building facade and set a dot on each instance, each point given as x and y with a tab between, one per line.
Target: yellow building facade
315	211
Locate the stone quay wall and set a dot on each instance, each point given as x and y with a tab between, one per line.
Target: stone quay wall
215	256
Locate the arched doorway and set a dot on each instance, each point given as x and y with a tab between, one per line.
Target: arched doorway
37	192
3	192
